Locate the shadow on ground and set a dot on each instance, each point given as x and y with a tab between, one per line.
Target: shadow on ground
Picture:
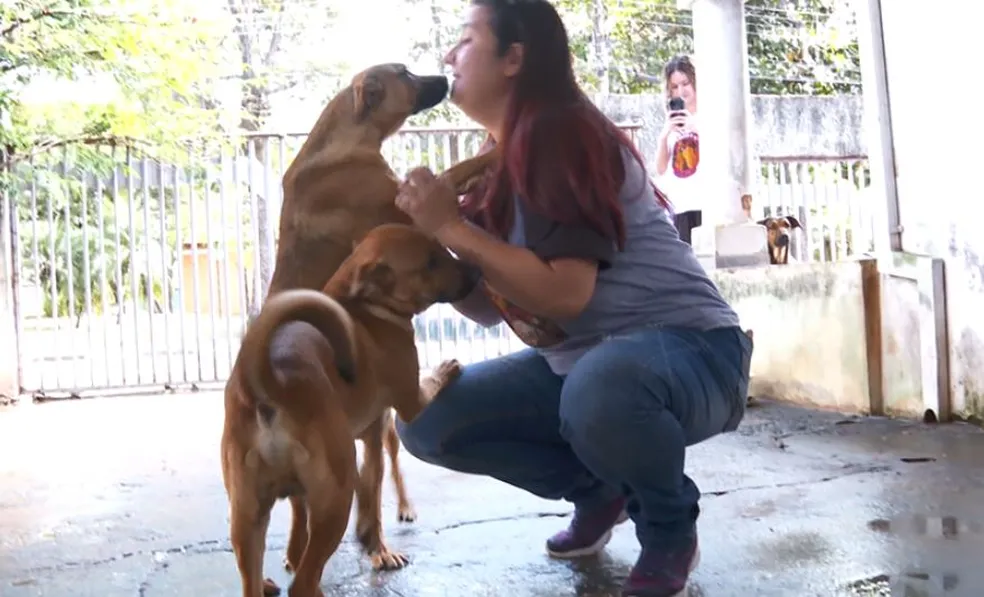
123	497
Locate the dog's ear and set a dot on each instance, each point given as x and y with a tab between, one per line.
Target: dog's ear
371	280
793	222
369	95
764	222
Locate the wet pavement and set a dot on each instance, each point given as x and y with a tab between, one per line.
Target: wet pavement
122	497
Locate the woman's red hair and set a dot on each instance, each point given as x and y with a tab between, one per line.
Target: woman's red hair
561	155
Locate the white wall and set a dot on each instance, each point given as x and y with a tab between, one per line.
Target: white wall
932	56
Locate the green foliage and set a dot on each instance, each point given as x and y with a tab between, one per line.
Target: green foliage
275	46
805	47
83	70
86	235
75	75
794	46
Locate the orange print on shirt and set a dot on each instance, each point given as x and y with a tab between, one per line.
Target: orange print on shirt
538	332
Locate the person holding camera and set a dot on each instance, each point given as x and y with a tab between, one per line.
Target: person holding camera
679	154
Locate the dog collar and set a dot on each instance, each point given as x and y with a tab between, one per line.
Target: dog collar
390	316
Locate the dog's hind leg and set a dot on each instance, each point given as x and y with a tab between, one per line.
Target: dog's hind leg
329	487
405	510
326	527
369	523
249	520
298	533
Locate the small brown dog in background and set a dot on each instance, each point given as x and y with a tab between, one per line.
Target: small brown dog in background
318	369
779	230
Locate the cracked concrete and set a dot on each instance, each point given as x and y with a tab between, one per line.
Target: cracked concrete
119	497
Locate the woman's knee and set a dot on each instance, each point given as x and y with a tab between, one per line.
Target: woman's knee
426	436
481	406
599	398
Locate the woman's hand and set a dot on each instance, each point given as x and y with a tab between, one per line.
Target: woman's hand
428	200
675	121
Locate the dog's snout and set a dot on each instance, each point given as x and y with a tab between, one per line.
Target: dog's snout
468	278
782	240
430	92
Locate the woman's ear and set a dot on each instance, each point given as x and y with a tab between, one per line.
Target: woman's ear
513	60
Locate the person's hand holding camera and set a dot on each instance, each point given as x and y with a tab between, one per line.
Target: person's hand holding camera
677	118
679	121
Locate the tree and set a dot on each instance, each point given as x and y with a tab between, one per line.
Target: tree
441	19
150	65
76	76
277	46
274	47
803	47
794	46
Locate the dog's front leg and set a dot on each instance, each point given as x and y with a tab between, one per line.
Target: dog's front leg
465	175
442	375
430	387
249	520
369	521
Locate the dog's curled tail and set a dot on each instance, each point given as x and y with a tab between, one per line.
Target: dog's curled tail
256	368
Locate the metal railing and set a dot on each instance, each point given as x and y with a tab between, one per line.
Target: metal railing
140	271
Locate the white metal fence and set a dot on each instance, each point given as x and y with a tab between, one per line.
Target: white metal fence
139	271
827	196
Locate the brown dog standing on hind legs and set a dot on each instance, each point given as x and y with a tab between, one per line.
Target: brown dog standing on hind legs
339	186
319	369
335	190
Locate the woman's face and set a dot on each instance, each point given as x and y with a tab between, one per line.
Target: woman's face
482	80
681	86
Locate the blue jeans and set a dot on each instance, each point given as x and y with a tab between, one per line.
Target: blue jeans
617	425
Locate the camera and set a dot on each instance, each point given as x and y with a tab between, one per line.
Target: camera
676	107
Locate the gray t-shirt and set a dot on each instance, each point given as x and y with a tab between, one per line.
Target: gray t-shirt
655	281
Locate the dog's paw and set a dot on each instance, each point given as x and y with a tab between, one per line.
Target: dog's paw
384	559
447	371
298	591
406	513
270	588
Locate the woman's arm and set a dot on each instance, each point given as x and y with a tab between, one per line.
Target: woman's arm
558	288
478	308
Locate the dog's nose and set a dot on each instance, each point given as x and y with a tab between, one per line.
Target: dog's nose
430	92
472	276
469	278
783	240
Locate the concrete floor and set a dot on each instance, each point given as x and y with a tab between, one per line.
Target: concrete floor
122	496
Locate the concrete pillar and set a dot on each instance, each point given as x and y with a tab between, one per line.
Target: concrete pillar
9	385
726	151
877	123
